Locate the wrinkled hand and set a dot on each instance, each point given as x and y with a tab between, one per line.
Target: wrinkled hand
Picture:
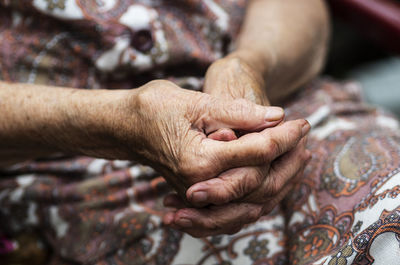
172	128
242	195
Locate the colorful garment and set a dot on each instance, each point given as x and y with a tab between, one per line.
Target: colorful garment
84	210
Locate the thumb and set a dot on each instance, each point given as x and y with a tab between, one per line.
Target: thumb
240	114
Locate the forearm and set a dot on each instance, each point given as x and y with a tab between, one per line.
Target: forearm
286	41
41	120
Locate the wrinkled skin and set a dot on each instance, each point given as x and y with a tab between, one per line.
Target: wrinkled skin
175	140
188	136
241	195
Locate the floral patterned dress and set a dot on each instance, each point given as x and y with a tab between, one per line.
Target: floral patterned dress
82	210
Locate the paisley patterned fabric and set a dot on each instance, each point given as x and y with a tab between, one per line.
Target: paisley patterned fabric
114	43
81	210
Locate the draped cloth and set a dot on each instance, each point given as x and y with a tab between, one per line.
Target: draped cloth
82	210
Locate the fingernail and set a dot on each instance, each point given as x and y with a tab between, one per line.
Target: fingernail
184	222
306	128
274	113
199	196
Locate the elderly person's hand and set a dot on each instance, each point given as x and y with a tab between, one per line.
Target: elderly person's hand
273	54
159	124
242	195
171	131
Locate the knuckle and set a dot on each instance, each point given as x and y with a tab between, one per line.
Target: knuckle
226	195
144	95
272	148
251	179
259	176
274	185
149	93
189	166
260	154
235	186
235	191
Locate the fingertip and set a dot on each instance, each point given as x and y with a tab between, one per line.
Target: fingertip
274	114
184	222
168	218
305	128
199	197
183	218
199	192
209	192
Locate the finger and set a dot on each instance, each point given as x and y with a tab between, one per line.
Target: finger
239	114
256	149
259	181
238	182
173	200
230	185
216	220
282	171
274	201
285	190
299	176
224	134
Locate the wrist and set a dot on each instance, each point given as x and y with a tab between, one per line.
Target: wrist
96	119
261	63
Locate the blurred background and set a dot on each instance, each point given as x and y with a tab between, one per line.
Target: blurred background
365	47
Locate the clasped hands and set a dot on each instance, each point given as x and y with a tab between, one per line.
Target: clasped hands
223	182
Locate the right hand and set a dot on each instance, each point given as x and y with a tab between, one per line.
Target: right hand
169	128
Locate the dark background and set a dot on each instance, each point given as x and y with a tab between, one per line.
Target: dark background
354	56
